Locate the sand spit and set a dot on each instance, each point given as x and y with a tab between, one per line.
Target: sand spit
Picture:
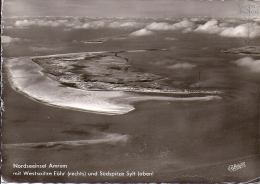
107	138
26	77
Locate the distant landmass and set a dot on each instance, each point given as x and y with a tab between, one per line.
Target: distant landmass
249	50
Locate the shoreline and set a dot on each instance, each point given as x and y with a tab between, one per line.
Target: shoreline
114	102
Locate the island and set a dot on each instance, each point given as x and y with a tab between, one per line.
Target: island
103	71
248	50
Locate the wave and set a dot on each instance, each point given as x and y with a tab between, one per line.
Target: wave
26	77
107	138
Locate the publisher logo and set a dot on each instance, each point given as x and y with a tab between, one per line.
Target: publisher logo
236	167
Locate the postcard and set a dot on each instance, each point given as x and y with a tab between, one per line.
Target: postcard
138	91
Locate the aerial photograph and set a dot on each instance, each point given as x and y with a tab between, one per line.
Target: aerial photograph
130	91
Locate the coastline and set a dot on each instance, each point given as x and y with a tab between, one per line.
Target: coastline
26	77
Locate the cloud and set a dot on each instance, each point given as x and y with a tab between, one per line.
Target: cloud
77	23
256	19
63	21
224	24
165	26
183	24
232	20
248	62
73	23
8	27
105	24
226	30
181	66
238	31
159	26
91	25
24	23
187	30
142	32
49	23
224	27
242	31
8	39
210	27
122	24
195	19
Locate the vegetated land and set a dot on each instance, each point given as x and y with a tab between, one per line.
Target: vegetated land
99	71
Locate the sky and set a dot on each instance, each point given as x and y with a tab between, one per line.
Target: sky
120	8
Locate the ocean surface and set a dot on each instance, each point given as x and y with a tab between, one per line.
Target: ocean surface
180	137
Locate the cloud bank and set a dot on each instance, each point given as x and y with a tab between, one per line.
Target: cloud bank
210	27
142	32
249	63
77	23
8	39
165	26
26	23
228	27
224	28
251	29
